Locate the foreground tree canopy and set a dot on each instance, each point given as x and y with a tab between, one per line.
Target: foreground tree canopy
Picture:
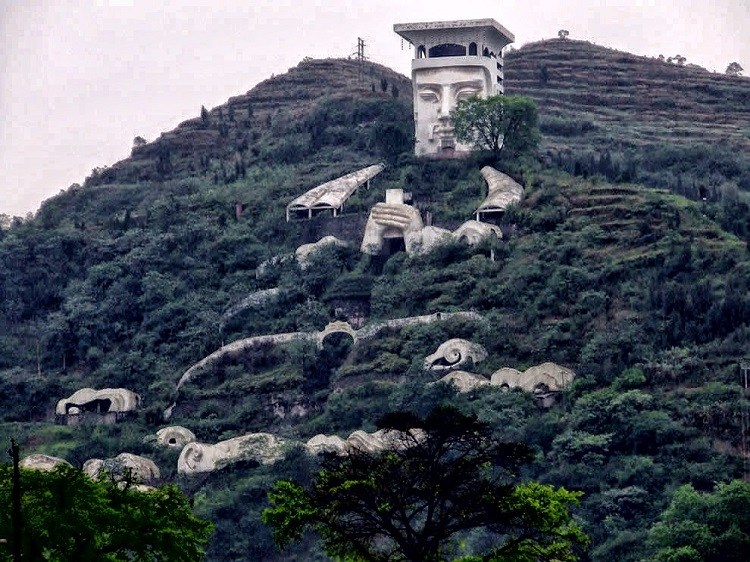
504	125
705	527
445	476
67	516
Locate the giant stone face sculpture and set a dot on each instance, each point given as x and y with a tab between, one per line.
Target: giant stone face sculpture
453	60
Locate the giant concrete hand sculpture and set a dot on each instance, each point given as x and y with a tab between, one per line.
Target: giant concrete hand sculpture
453	354
391	220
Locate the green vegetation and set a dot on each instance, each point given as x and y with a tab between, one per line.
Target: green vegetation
445	477
626	261
68	517
504	125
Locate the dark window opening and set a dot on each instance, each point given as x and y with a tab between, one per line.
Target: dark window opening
472	49
421	52
448	50
486	52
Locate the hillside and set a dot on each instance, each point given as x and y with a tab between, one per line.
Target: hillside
608	269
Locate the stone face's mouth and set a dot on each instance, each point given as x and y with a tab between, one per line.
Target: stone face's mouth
442	133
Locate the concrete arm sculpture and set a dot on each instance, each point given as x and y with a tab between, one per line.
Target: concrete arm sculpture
263	448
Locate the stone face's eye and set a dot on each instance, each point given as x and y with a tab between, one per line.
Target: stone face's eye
466	93
429	96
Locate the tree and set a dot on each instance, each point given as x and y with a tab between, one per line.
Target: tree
734	69
704	527
563	33
68	516
139	141
443	476
505	125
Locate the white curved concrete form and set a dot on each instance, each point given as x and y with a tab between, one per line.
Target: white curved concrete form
239	346
262	448
303	252
174	436
125	465
464	381
42	462
502	191
474	232
454	353
106	400
330	196
540	379
453	61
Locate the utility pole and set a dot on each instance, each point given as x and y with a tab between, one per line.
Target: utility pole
744	379
360	56
16	501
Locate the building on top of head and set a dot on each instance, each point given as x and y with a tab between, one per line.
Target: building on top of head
453	60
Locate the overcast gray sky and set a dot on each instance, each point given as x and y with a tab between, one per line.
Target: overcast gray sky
79	79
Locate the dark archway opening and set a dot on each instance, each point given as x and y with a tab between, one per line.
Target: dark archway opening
448	50
421	52
472	49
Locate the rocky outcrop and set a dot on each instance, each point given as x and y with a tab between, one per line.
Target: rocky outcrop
42	462
454	353
124	466
363	441
262	448
106	400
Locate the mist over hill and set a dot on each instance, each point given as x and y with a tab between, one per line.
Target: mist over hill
626	261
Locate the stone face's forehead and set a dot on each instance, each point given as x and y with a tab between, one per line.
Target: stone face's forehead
450	74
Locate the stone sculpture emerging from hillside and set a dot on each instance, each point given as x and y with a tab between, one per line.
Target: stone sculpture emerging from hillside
174	436
545	381
474	232
123	467
262	448
302	253
502	190
453	60
110	403
330	196
42	462
392	226
454	353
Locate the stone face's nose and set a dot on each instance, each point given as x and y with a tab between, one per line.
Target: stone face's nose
446	102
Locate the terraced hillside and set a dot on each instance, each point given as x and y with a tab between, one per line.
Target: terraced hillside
624	100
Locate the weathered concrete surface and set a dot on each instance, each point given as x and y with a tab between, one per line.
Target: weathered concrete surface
262	448
331	195
454	353
473	232
174	436
502	191
100	401
125	465
42	462
303	252
465	381
547	377
392	219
